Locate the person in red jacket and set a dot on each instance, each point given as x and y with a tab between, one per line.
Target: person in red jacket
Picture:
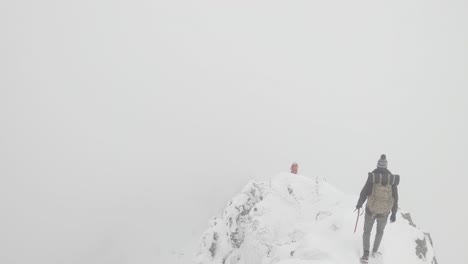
294	168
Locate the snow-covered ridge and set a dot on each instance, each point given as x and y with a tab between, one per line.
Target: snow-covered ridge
293	219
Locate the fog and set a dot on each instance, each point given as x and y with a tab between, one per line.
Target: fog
126	125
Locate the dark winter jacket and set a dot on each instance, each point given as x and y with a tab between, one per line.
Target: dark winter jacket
367	190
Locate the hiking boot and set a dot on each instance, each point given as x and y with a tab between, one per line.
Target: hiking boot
375	254
365	259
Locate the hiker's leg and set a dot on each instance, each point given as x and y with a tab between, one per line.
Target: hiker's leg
381	223
368	224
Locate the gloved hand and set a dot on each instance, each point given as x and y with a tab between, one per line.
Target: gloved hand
358	207
393	218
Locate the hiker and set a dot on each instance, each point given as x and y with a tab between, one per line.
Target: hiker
294	168
381	193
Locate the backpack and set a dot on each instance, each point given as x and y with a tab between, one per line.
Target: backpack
380	201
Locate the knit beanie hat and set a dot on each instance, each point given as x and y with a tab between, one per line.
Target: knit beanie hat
382	163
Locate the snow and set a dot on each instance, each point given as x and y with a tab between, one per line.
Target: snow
293	219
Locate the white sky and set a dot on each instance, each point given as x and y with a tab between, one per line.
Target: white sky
126	125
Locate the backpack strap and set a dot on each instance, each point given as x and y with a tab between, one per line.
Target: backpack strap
391	179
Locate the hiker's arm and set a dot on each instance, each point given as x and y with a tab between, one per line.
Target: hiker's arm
395	198
366	190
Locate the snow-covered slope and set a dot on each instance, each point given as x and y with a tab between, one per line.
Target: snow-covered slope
294	219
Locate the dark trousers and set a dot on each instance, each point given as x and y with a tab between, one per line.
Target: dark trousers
368	224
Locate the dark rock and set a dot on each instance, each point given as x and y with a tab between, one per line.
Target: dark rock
408	218
237	238
421	244
213	244
421	248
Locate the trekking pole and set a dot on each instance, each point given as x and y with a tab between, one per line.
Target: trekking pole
357	219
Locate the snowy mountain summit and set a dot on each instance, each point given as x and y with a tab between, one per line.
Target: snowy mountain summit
293	219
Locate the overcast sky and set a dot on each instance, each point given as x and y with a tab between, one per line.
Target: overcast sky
126	125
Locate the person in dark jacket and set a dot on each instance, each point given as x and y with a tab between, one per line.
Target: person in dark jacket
371	217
